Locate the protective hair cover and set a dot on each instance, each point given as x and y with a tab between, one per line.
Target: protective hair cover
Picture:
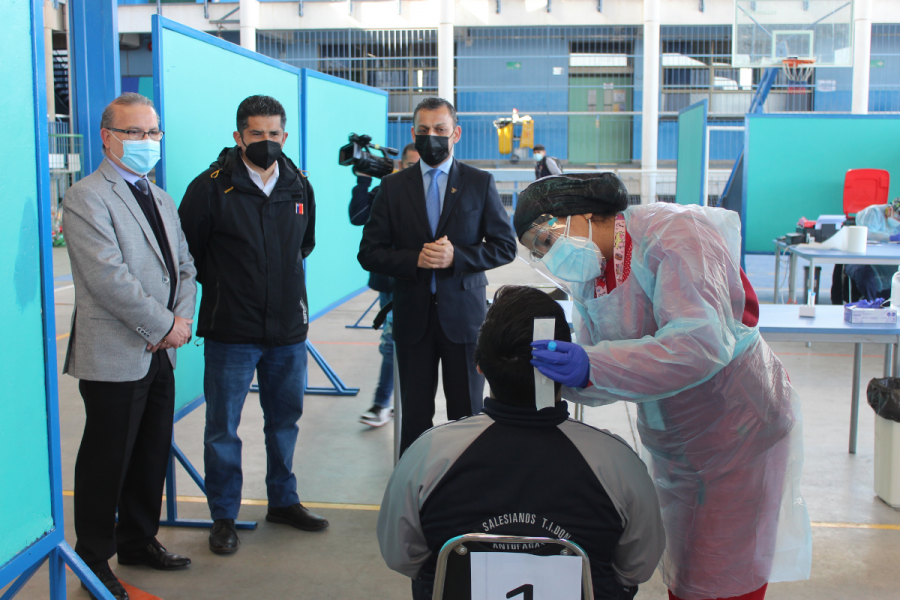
570	194
881	228
716	411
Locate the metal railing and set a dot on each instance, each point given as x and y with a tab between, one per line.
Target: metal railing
581	84
66	167
660	185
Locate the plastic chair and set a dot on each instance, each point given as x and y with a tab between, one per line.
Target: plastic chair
865	187
452	577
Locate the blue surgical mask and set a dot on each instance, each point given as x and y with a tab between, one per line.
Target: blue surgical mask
140	156
575	259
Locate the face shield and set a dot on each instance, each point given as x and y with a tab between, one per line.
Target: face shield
571	263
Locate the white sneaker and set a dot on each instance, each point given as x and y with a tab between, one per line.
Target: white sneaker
377	416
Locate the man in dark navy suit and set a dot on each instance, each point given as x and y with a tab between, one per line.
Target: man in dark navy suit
435	230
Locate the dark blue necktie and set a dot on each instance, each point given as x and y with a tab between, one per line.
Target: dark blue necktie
433	206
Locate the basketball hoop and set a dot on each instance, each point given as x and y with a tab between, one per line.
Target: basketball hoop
798	70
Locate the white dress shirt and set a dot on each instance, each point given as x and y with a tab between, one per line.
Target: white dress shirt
255	178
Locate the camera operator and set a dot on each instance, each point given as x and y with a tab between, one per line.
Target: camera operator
360	206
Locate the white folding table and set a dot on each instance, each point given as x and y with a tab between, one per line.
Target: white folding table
782	323
876	254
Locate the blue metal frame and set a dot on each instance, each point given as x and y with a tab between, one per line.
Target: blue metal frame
94	36
363	316
338	387
705	104
52	546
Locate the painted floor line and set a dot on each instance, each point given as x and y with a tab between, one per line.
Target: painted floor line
254	502
856	525
349	343
346	506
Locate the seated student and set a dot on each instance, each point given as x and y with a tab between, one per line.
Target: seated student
883	222
483	473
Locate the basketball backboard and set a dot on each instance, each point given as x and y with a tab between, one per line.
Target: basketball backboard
768	31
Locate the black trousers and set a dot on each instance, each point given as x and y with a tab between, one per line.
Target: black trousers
122	461
418	366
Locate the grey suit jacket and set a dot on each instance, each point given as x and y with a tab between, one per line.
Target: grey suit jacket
121	281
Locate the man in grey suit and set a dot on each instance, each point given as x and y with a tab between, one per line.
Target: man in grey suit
135	292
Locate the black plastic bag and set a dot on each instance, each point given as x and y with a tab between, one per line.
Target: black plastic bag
884	397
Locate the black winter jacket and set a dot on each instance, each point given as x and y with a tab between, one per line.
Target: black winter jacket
249	251
361	199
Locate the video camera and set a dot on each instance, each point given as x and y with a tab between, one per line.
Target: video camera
358	155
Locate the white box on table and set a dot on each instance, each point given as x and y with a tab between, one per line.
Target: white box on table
870	315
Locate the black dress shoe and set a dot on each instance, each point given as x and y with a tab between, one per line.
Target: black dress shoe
106	577
223	537
155	556
297	516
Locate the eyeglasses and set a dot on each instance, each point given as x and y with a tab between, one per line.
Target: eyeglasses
136	135
540	237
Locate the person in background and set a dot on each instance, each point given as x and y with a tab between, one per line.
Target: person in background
546	165
250	221
435	230
360	208
135	294
883	222
515	469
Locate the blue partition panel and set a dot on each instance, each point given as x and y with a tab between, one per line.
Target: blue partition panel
200	80
333	108
794	166
691	154
24	450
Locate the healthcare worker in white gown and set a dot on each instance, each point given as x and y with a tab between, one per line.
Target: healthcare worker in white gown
663	320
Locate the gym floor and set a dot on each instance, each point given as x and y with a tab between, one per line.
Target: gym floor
343	466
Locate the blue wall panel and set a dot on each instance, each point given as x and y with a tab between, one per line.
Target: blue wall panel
185	82
332	271
25	467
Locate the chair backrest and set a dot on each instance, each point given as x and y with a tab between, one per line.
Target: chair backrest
865	187
452	578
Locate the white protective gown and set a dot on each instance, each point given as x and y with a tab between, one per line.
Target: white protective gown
716	411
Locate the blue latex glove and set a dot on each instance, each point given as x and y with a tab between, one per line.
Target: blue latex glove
560	361
863	303
895	237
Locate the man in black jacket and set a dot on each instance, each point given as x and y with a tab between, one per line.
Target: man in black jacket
250	221
360	208
545	166
517	470
435	230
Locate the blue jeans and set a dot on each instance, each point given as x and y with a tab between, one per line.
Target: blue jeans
282	378
872	281
385	389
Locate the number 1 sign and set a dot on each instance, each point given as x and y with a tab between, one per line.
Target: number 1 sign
501	575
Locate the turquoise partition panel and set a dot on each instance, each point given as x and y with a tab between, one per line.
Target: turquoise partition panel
691	154
795	167
333	108
25	448
200	80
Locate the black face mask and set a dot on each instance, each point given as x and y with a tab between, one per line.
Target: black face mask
434	149
263	154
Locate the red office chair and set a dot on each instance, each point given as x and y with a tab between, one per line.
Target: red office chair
865	187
